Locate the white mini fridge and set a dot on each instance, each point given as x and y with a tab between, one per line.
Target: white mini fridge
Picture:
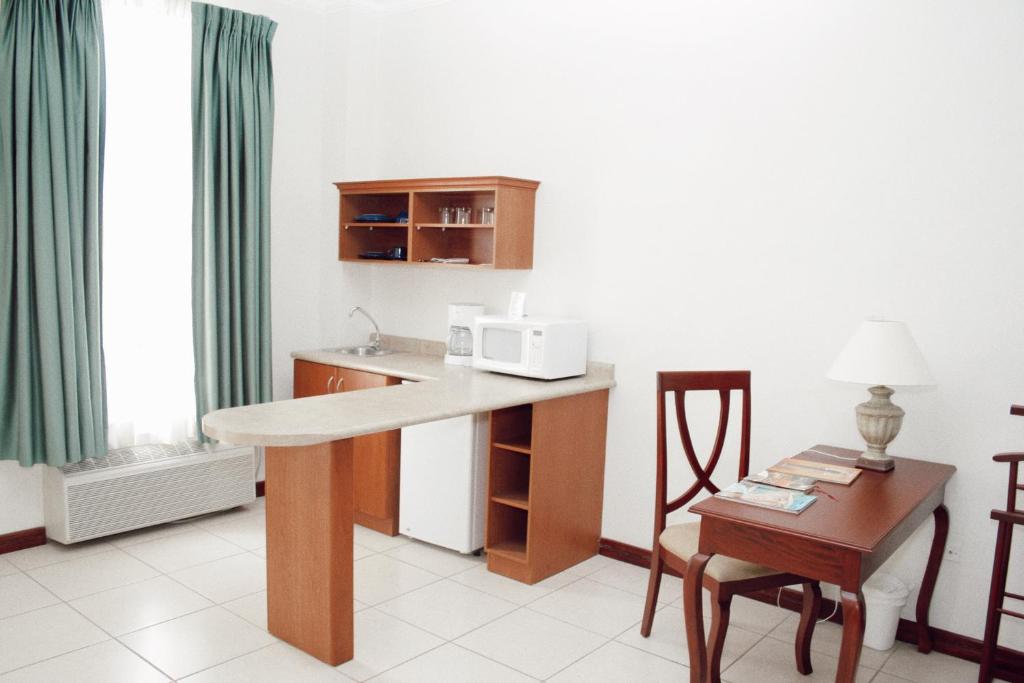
443	491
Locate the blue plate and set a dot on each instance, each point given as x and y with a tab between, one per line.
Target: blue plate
372	218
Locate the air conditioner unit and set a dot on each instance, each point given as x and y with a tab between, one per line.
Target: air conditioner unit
141	486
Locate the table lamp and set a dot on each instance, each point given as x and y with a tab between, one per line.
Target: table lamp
881	354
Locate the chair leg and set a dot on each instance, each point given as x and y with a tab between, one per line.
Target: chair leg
720	603
653	587
808	618
1000	568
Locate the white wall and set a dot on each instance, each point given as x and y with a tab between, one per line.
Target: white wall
21	497
731	185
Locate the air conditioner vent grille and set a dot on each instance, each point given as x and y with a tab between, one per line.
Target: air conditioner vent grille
134	455
145	485
99	508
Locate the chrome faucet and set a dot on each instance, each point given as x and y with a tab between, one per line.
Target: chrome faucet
375	336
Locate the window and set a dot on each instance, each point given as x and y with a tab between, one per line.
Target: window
147	224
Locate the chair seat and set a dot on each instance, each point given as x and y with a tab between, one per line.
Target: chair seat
681	540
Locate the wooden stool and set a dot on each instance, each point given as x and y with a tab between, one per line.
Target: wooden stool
1007	519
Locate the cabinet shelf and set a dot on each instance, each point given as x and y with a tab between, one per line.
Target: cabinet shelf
519	446
511	550
516	499
457	226
371	226
422	264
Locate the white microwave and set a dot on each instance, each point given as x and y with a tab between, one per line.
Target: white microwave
543	348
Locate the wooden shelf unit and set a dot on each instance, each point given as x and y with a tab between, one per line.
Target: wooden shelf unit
545	485
505	244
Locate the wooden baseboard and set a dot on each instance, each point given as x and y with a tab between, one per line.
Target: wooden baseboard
1009	662
19	540
261	489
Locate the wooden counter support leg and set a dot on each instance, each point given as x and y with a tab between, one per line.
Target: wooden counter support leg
693	616
853	636
931	574
309	548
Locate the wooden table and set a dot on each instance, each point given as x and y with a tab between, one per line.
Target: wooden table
841	541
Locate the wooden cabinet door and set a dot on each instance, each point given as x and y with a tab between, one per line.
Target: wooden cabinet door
313	379
377	460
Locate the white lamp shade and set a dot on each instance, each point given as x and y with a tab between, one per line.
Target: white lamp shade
882	352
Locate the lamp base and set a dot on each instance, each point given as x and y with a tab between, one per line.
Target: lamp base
879	421
870	462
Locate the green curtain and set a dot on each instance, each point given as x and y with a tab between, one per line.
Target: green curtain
232	135
52	395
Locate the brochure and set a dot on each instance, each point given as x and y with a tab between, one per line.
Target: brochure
769	497
836	474
782	480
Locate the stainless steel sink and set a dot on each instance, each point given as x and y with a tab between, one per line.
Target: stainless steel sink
362	351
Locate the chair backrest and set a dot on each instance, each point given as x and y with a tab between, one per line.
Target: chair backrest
1014	459
678	384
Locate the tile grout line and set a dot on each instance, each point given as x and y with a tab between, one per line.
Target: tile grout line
70	559
110	637
34	609
478	654
527	608
117	638
453	642
515	608
401	663
231	659
581	658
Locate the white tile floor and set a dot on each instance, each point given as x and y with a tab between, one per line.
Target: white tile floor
188	602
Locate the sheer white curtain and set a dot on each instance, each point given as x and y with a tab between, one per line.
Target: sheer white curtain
147	224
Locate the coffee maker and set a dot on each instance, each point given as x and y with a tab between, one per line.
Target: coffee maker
460	333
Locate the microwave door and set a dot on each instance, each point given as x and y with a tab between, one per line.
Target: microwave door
504	347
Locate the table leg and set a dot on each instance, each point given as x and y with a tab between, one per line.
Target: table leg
808	620
853	636
931	574
693	617
309	548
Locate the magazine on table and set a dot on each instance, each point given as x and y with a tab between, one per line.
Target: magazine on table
771	497
835	474
782	480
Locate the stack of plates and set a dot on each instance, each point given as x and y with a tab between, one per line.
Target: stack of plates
372	218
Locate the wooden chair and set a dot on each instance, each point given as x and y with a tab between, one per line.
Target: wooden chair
1008	519
674	545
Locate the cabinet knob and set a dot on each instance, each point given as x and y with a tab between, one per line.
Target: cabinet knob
330	381
338	385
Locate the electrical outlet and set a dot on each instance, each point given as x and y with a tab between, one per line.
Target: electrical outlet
952	552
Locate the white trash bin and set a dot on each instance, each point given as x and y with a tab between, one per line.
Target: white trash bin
884	596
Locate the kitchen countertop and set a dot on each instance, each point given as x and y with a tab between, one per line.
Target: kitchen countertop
440	391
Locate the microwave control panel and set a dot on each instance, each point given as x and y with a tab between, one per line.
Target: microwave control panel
536	349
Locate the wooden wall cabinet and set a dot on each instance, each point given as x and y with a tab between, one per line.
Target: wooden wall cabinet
377	457
546	485
505	244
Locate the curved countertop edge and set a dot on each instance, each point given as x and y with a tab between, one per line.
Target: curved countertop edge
439	392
